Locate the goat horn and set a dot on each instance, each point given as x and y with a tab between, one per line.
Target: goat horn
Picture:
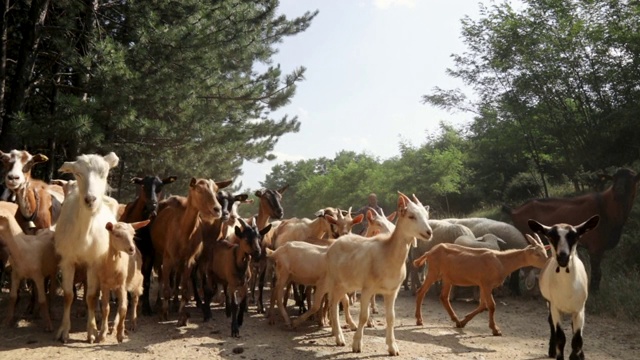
340	216
243	223
350	207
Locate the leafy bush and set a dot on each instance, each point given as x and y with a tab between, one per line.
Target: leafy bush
522	188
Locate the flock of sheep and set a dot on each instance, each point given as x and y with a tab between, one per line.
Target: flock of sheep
96	242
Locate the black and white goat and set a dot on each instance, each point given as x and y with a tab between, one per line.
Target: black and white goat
564	283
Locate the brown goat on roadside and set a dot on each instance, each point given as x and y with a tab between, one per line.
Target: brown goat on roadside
464	266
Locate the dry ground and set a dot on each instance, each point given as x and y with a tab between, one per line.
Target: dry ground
523	323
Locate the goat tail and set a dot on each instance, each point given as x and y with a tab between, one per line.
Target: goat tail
421	260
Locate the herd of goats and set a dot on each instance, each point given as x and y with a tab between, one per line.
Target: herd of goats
198	244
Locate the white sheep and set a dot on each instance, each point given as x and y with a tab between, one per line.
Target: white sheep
443	232
487	241
513	239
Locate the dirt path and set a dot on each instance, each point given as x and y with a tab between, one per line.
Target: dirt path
523	323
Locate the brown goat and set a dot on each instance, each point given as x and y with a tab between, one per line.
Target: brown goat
464	266
39	203
229	266
177	237
613	205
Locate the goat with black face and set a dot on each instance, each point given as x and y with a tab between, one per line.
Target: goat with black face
564	283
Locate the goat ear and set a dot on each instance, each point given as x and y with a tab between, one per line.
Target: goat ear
319	213
241	197
392	216
67	168
259	192
112	159
237	231
136	180
370	216
588	225
283	189
223	184
265	229
403	200
169	180
530	240
358	219
536	227
59	182
109	226
4	156
39	158
193	182
140	224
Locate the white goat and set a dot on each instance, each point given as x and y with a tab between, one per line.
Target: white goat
304	264
564	283
379	223
300	229
121	271
373	266
341	221
81	236
31	256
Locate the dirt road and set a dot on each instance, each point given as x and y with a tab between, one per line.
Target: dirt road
523	323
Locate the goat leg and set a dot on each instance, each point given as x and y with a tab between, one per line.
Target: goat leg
147	267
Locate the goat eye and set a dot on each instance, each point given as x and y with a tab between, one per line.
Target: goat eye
412	217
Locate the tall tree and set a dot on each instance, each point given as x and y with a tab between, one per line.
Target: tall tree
180	87
562	72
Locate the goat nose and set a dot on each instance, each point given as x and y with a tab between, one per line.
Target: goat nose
216	209
12	177
563	259
89	199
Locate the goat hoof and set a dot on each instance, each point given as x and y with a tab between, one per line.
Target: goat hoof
497	333
62	336
575	356
419	322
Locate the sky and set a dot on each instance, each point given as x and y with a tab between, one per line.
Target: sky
368	63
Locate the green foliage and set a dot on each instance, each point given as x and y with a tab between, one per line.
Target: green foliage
184	88
522	187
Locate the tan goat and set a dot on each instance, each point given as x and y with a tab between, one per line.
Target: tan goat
464	266
31	256
121	271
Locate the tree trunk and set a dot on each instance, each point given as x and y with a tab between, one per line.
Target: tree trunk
31	32
3	55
